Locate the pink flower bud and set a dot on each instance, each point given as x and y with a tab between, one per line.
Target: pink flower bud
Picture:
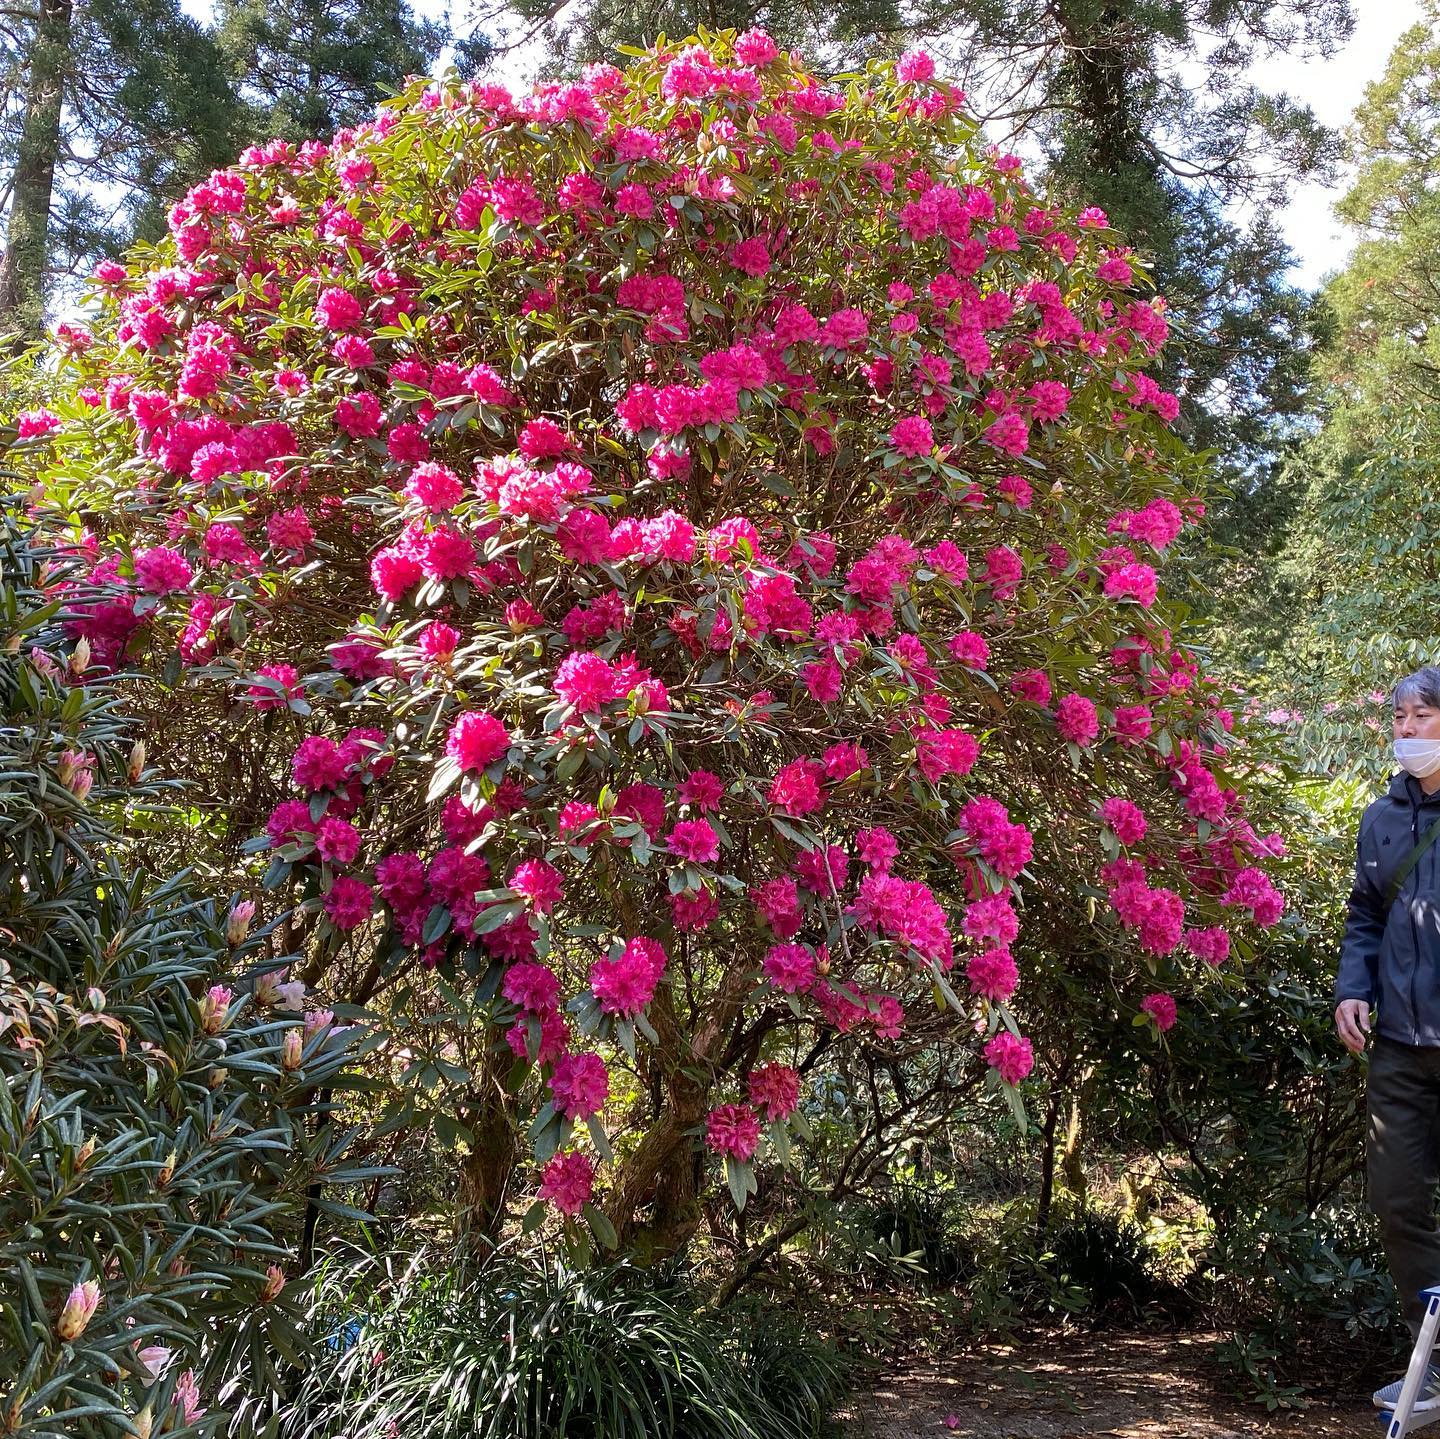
187	1397
318	1019
80	1306
80	657
237	925
74	772
292	1049
274	1283
267	987
214	1008
136	767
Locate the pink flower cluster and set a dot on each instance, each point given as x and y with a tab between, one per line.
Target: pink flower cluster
624	983
568	1181
733	1130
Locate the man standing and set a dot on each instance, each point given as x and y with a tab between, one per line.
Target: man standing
1390	962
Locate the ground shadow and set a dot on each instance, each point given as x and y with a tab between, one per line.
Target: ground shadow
1113	1386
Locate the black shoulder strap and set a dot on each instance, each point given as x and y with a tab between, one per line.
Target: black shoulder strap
1411	860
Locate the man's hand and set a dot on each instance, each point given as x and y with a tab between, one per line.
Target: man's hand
1352	1023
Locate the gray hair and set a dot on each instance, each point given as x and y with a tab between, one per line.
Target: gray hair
1420	688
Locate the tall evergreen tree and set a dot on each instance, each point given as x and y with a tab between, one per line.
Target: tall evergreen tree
308	67
110	107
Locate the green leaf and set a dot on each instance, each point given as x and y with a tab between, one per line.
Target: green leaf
740	1176
437	922
600	1227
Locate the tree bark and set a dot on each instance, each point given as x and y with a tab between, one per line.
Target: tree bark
486	1171
664	1171
661	1176
1072	1160
24	263
1047	1164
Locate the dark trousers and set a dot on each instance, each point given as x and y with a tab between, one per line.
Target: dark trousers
1402	1164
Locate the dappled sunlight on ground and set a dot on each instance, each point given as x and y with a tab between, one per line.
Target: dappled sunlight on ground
1113	1386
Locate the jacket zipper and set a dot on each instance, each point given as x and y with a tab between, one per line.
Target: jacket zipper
1414	932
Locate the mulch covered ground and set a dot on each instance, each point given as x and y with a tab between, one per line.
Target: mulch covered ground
1116	1386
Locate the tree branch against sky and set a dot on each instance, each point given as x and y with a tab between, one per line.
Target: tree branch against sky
110	109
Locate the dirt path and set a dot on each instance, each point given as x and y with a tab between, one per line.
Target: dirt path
1113	1386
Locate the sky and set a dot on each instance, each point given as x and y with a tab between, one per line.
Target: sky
1332	87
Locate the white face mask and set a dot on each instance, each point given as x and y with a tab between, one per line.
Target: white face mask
1420	757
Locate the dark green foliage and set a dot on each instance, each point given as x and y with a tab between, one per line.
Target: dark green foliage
164	1158
1346	603
306	68
1307	1302
926	1223
112	109
1105	1257
525	1347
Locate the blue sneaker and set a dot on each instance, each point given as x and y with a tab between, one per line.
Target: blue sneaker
1428	1398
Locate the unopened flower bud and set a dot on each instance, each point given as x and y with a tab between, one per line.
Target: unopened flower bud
267	987
80	656
292	1049
179	1267
136	767
144	1422
318	1019
85	1153
274	1283
237	924
218	1076
80	1306
214	1007
167	1170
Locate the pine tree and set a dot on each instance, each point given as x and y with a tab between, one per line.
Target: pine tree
309	67
109	109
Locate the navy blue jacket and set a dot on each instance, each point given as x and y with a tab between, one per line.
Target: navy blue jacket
1391	952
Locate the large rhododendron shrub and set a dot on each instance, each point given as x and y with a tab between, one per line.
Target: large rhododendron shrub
692	533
